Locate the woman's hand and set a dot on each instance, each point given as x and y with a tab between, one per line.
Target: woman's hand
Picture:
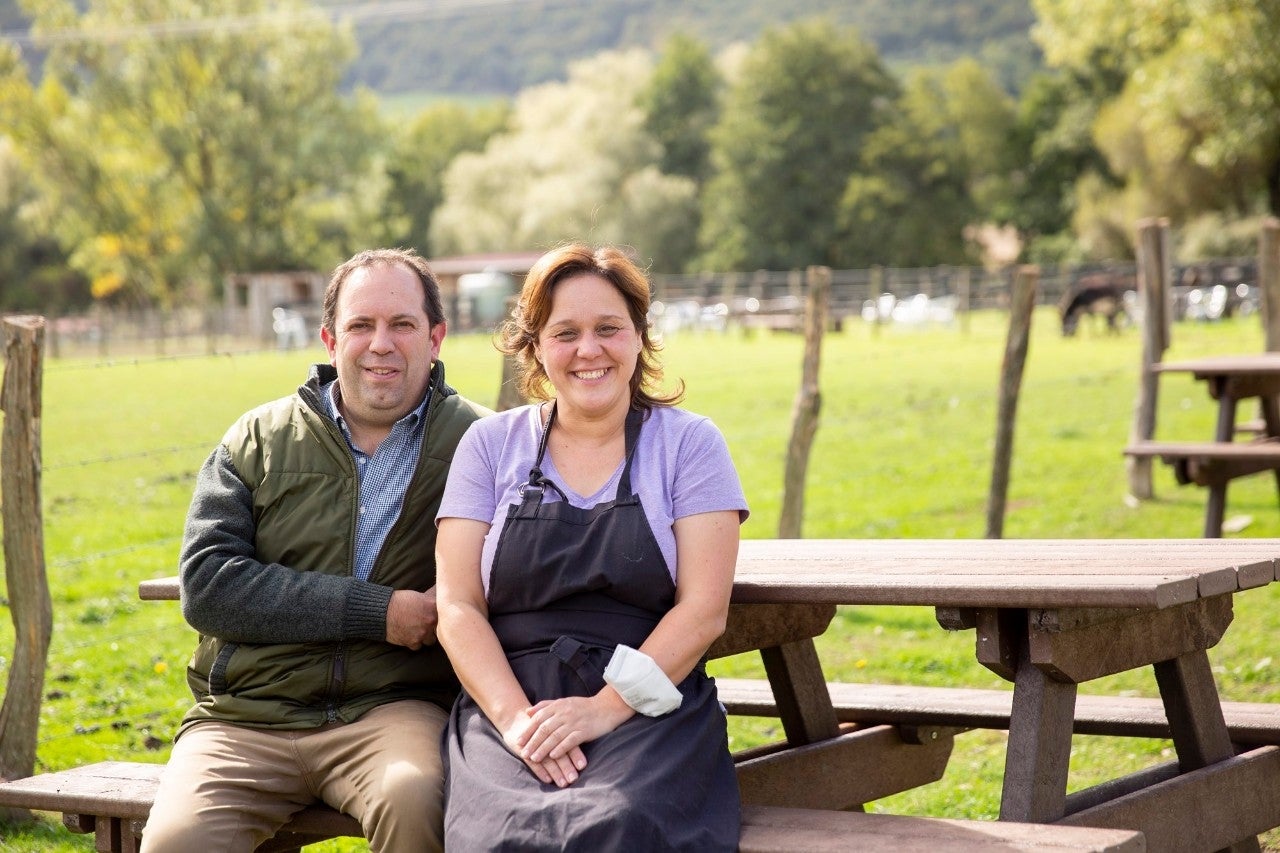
561	771
558	727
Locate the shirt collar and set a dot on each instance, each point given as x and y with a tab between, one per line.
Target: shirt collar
331	393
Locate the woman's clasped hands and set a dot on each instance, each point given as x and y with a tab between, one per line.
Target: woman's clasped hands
548	736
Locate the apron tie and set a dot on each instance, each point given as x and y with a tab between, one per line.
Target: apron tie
573	654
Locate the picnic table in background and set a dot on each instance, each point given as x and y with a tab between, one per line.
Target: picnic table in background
1213	464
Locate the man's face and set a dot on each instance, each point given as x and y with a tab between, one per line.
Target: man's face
383	347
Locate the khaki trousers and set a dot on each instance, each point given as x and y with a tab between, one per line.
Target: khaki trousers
229	788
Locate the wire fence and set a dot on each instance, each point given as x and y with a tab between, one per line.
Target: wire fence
110	334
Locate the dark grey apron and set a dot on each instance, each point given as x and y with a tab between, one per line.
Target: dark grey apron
567	585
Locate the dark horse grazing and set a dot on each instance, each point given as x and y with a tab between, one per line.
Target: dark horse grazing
1101	294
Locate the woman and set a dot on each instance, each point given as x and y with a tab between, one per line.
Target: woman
585	554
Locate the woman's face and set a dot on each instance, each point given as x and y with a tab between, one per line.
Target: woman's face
589	346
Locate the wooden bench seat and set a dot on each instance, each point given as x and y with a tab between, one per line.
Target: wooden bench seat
112	799
768	829
1210	463
1213	464
1253	426
972	708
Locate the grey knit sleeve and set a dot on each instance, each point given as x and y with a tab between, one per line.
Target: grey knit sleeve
227	593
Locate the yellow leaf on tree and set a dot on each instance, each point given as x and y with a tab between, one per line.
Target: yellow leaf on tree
106	284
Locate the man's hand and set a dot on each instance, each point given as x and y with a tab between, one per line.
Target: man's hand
411	618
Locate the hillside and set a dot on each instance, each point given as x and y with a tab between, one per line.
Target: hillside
497	47
501	47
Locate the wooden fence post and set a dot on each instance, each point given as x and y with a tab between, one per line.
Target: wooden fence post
874	291
28	587
804	415
103	318
1153	291
1022	304
509	395
210	318
1269	280
51	343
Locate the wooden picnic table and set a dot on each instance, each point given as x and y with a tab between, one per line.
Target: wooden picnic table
1232	378
1047	615
1229	379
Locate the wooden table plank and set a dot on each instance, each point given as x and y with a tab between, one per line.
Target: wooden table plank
1040	573
979	591
1248	364
1004	573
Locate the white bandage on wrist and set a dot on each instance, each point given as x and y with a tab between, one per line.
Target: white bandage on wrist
641	682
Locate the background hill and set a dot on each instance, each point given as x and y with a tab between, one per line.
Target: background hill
497	47
501	47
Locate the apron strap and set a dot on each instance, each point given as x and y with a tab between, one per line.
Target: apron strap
538	482
532	490
634	418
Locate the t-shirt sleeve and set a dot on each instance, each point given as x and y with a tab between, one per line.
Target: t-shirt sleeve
469	490
706	479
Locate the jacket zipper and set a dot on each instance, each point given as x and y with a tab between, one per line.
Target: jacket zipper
338	671
338	667
339	679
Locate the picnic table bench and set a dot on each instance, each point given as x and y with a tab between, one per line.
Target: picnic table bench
914	707
112	799
1046	615
1214	464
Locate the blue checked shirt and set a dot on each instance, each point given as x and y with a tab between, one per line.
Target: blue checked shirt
384	476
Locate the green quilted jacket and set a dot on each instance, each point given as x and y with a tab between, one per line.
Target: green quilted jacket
289	639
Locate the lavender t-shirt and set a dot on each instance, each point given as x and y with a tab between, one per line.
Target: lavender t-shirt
681	467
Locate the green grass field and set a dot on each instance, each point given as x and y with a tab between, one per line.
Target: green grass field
903	450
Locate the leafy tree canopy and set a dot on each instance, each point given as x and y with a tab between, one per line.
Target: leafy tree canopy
681	105
1188	106
577	164
941	159
169	162
789	137
423	150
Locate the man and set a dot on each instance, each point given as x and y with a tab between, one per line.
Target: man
308	569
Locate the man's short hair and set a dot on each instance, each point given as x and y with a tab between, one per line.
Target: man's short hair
407	258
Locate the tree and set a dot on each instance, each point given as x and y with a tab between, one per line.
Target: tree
1054	150
420	156
942	161
963	107
577	164
1106	41
176	159
34	275
789	137
681	106
907	203
1189	103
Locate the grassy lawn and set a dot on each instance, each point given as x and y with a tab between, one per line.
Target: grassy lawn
903	450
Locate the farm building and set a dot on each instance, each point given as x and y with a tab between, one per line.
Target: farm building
285	307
